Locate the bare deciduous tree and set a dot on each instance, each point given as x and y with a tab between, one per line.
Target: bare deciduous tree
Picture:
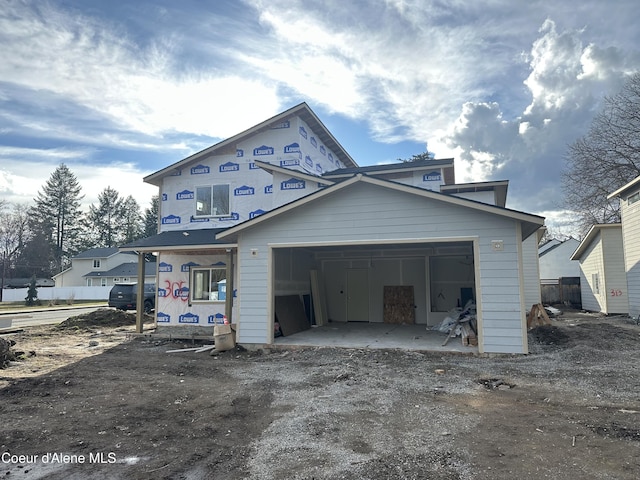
605	159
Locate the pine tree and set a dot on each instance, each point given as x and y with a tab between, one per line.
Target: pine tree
151	217
32	294
132	227
56	215
106	219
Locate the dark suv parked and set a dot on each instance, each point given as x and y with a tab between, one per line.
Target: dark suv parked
124	296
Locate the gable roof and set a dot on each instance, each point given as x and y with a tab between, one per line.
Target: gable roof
301	110
99	252
625	189
590	237
560	244
534	222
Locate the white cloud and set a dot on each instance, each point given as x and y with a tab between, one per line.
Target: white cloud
26	170
136	88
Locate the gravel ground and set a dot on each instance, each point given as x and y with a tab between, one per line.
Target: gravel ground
568	410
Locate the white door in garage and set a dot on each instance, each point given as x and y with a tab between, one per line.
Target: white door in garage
357	295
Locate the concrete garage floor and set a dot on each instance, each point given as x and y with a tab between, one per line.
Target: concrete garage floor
375	335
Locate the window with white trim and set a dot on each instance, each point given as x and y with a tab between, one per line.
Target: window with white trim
96	263
212	201
633	198
207	284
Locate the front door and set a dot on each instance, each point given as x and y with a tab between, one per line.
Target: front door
357	295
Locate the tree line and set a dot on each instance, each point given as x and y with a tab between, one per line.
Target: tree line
40	239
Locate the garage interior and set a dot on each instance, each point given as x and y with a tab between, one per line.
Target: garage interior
391	295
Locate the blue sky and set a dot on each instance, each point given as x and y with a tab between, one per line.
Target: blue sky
117	90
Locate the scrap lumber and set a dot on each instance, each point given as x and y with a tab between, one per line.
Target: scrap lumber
537	316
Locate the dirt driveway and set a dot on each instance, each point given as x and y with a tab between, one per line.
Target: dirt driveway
88	401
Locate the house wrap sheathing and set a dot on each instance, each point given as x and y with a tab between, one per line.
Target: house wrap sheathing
268	208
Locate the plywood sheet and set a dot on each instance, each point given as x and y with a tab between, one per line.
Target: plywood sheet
290	314
399	306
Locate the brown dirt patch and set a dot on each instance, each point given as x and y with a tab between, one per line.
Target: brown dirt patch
119	406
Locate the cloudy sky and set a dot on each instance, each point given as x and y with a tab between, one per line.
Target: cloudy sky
117	90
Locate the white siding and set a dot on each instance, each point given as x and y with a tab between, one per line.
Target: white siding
531	271
364	212
631	241
615	278
603	258
592	263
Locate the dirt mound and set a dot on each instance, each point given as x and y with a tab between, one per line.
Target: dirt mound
103	317
549	335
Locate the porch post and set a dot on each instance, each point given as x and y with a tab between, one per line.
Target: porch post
228	302
140	294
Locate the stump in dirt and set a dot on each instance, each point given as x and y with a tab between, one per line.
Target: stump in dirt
6	355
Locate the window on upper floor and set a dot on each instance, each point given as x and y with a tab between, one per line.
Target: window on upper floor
212	201
633	198
96	263
208	284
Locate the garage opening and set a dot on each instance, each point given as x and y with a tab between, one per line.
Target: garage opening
373	287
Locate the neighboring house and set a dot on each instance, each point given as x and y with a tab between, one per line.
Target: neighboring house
603	282
102	267
559	275
555	260
629	196
255	217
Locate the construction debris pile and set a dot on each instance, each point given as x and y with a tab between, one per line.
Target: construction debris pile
461	322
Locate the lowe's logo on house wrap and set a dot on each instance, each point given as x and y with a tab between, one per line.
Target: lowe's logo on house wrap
243	190
162	292
434	176
239	152
164	197
193	219
302	132
313	142
268	189
323	150
292	184
256	213
318	168
165	267
292	148
186	266
263	150
289	163
284	124
163	317
330	157
185	195
200	170
182	293
229	167
189	318
176	173
308	162
217	319
171	220
233	216
253	166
